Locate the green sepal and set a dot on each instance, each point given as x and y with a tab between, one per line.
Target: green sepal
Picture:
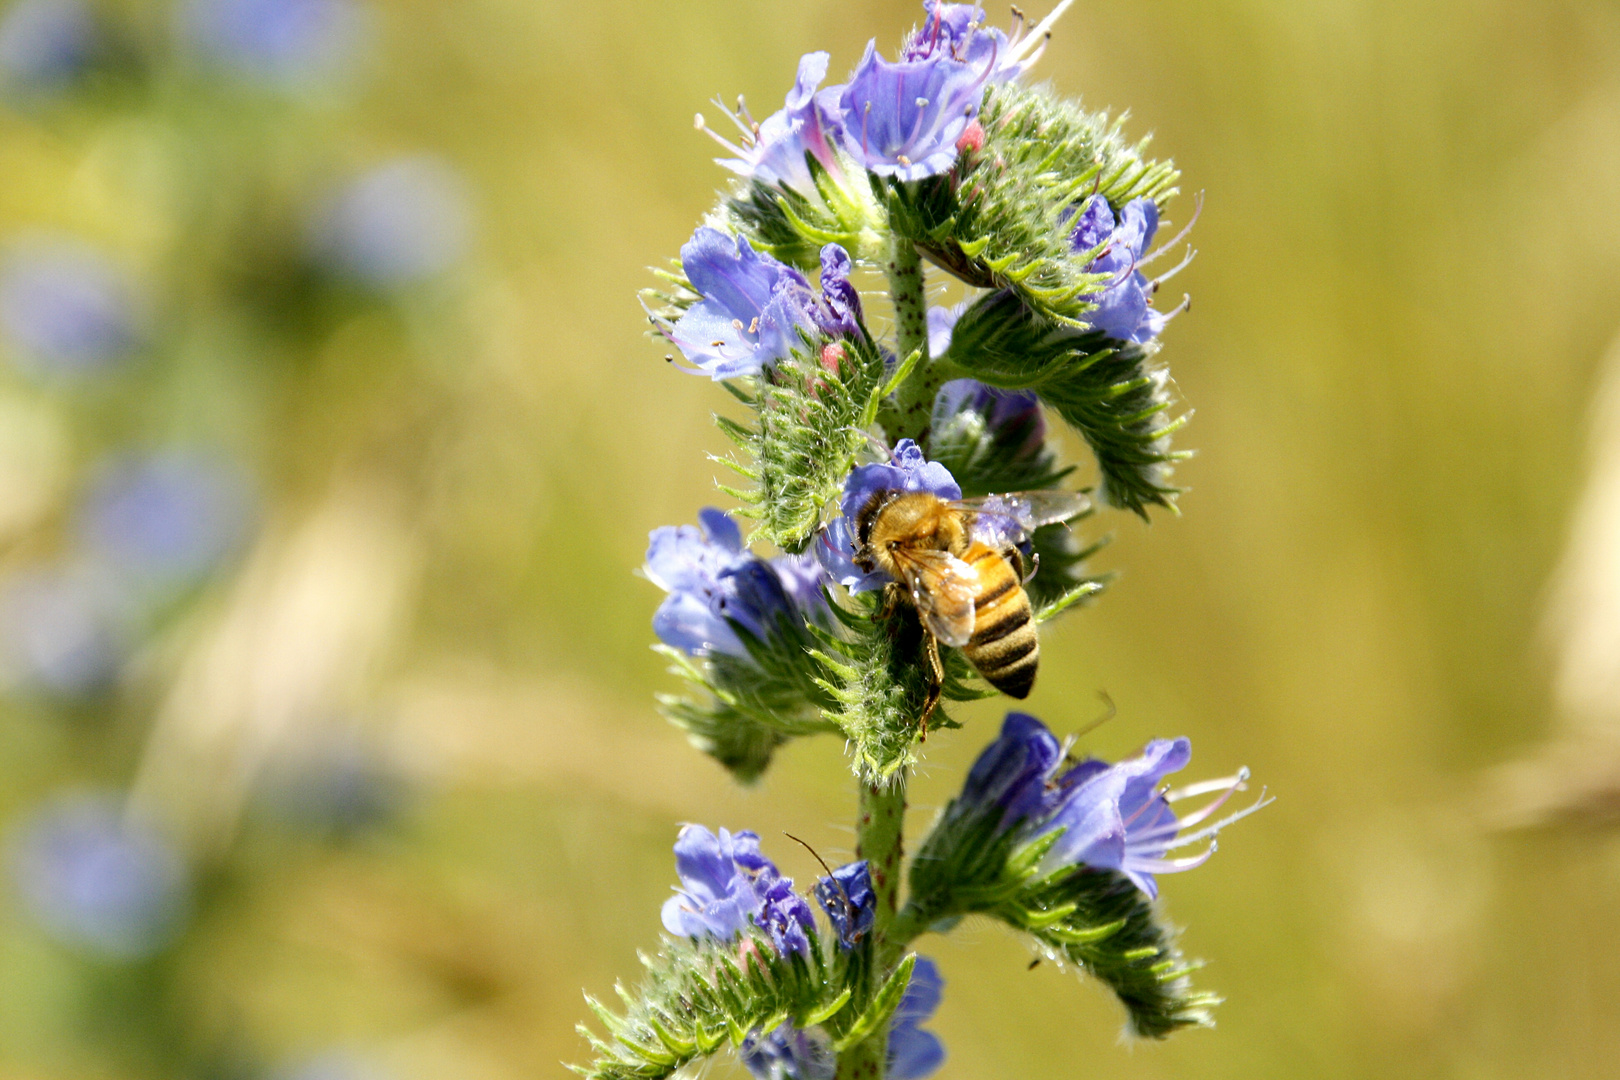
696	996
1113	393
1082	592
810	429
830	1010
1000	218
874	672
741	708
793	225
876	1014
974	863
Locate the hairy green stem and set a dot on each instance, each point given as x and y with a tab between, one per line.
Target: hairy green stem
913	406
880	839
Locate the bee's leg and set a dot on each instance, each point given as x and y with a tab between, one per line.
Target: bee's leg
893	597
936	681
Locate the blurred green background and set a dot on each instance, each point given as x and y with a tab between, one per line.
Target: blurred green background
330	436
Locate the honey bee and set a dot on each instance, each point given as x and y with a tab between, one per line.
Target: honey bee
958	565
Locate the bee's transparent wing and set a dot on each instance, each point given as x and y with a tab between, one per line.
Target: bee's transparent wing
943	588
997	516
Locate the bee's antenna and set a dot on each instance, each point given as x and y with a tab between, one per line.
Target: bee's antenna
811	850
1034	566
1110	712
849	905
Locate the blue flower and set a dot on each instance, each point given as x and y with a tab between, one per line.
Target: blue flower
727	885
99	879
67	306
64	629
170	516
1010	774
906	470
1013	416
291	42
913	1052
839	314
44	43
904	119
1112	817
715	584
1123	309
958	31
789	1053
774	153
402	222
847	898
755	309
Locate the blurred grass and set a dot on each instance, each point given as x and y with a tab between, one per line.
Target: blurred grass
1407	274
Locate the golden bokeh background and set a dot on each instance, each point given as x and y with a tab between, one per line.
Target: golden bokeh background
1393	593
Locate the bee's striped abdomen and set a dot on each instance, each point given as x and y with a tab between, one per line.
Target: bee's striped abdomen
1004	647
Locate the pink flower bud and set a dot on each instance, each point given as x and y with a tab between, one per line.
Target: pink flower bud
971	139
833	354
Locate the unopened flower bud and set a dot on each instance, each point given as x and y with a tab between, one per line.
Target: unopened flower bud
972	140
832	355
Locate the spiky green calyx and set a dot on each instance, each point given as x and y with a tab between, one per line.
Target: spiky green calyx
1111	392
794	226
998	220
811	416
700	996
1097	920
873	669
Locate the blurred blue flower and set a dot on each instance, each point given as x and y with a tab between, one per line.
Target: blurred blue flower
169	516
66	306
1123	304
941	321
400	223
336	781
287	42
715	584
755	309
789	1053
728	885
44	43
333	1065
906	470
1113	817
913	1052
847	898
63	629
100	880
807	123
904	119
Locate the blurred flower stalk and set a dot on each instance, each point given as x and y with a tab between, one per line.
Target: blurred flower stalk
923	533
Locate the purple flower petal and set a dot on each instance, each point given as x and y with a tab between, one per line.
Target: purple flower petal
903	119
